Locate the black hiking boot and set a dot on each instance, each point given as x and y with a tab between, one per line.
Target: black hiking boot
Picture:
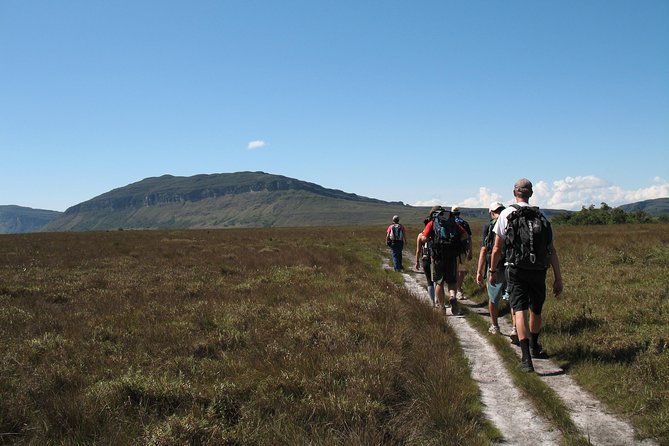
538	352
455	308
526	365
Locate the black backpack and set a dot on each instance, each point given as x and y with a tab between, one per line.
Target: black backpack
446	241
489	243
528	238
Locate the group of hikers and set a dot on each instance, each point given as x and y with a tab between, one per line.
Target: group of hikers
516	251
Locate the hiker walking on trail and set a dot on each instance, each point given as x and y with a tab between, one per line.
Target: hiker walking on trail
423	260
525	237
446	239
395	237
466	255
496	291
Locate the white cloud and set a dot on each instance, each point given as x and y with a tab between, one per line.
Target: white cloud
483	200
257	144
575	192
570	193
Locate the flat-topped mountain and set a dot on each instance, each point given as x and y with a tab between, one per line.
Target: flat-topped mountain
242	199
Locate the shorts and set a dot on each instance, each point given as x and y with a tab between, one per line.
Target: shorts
445	270
496	291
527	289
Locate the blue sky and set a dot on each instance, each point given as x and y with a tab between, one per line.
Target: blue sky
421	102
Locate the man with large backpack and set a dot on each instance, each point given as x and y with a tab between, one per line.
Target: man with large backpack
446	240
525	236
395	237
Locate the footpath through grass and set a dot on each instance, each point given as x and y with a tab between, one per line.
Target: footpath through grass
609	329
223	337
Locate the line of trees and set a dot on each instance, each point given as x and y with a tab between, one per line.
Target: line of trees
605	215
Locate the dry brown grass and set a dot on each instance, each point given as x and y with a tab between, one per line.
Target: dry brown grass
223	337
609	329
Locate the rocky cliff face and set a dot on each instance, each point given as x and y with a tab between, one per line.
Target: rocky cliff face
168	190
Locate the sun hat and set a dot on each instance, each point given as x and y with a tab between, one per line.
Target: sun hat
495	206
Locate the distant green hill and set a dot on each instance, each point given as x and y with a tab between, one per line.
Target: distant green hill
17	219
657	207
242	199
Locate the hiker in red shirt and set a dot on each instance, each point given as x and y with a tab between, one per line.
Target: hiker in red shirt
446	240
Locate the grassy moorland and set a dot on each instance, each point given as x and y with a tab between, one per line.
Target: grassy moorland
223	337
610	328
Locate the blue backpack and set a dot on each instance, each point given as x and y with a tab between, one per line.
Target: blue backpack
446	241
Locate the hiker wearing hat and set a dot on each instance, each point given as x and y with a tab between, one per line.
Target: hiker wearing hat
446	239
395	237
466	255
496	291
525	237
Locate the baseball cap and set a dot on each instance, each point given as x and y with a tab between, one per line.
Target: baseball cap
495	206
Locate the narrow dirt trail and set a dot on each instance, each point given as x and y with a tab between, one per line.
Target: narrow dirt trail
505	405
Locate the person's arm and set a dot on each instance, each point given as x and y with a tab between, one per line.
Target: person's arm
494	258
555	264
419	242
480	273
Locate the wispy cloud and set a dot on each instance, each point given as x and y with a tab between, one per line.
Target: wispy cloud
256	144
570	193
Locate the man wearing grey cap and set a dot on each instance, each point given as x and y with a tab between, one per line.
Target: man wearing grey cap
526	237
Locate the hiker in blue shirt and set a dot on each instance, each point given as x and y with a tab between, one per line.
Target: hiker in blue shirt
495	292
395	237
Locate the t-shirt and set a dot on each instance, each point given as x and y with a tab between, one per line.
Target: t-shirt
502	221
389	231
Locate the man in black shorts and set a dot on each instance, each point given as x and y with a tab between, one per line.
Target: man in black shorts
526	287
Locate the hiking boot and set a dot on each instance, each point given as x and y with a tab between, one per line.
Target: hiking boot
494	329
455	309
538	352
526	365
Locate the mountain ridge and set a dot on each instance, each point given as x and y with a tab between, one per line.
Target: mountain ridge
226	200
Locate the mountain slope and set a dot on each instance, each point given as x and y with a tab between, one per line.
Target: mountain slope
243	199
18	219
656	207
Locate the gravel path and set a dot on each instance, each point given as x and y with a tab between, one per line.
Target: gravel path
505	405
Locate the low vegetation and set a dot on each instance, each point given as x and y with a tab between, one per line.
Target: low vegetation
223	337
605	215
609	328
